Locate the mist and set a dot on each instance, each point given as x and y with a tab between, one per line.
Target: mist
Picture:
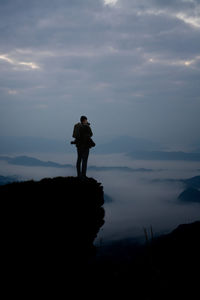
139	199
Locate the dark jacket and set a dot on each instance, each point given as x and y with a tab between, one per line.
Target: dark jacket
84	136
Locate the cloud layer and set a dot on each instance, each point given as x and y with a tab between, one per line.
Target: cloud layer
132	67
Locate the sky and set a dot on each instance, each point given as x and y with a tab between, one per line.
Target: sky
131	66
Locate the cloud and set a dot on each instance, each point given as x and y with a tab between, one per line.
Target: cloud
177	62
193	21
136	59
110	2
14	62
29	65
12	92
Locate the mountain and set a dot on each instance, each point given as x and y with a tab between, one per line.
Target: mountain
164	266
124	144
8	179
117	168
34	162
107	198
164	155
190	195
31	161
192	182
188	182
11	144
191	192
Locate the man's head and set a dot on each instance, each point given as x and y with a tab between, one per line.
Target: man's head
83	119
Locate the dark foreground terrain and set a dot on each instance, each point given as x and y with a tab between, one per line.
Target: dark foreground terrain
48	229
166	267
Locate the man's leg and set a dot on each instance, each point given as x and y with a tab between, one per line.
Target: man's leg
85	154
78	162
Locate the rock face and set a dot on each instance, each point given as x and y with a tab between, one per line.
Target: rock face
50	225
190	195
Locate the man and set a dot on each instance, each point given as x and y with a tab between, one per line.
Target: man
82	134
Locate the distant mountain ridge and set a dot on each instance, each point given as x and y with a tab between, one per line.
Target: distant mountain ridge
31	162
134	147
121	144
191	193
188	182
165	155
9	179
126	144
193	182
12	144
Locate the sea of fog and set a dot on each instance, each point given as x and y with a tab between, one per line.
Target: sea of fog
138	200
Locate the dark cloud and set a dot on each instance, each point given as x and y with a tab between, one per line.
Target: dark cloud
137	59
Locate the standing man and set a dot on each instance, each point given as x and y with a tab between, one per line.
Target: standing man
82	134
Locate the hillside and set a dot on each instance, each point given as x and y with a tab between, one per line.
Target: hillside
165	267
190	195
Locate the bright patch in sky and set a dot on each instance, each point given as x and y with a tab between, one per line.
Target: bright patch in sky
110	2
194	21
12	92
29	65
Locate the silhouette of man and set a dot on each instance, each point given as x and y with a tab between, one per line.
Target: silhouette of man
82	134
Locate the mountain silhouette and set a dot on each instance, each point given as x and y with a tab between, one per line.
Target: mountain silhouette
8	179
24	144
192	182
164	155
164	267
190	195
124	144
27	144
35	162
49	225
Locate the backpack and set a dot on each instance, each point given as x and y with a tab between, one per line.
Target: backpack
76	134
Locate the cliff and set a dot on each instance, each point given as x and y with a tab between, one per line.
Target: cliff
48	226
